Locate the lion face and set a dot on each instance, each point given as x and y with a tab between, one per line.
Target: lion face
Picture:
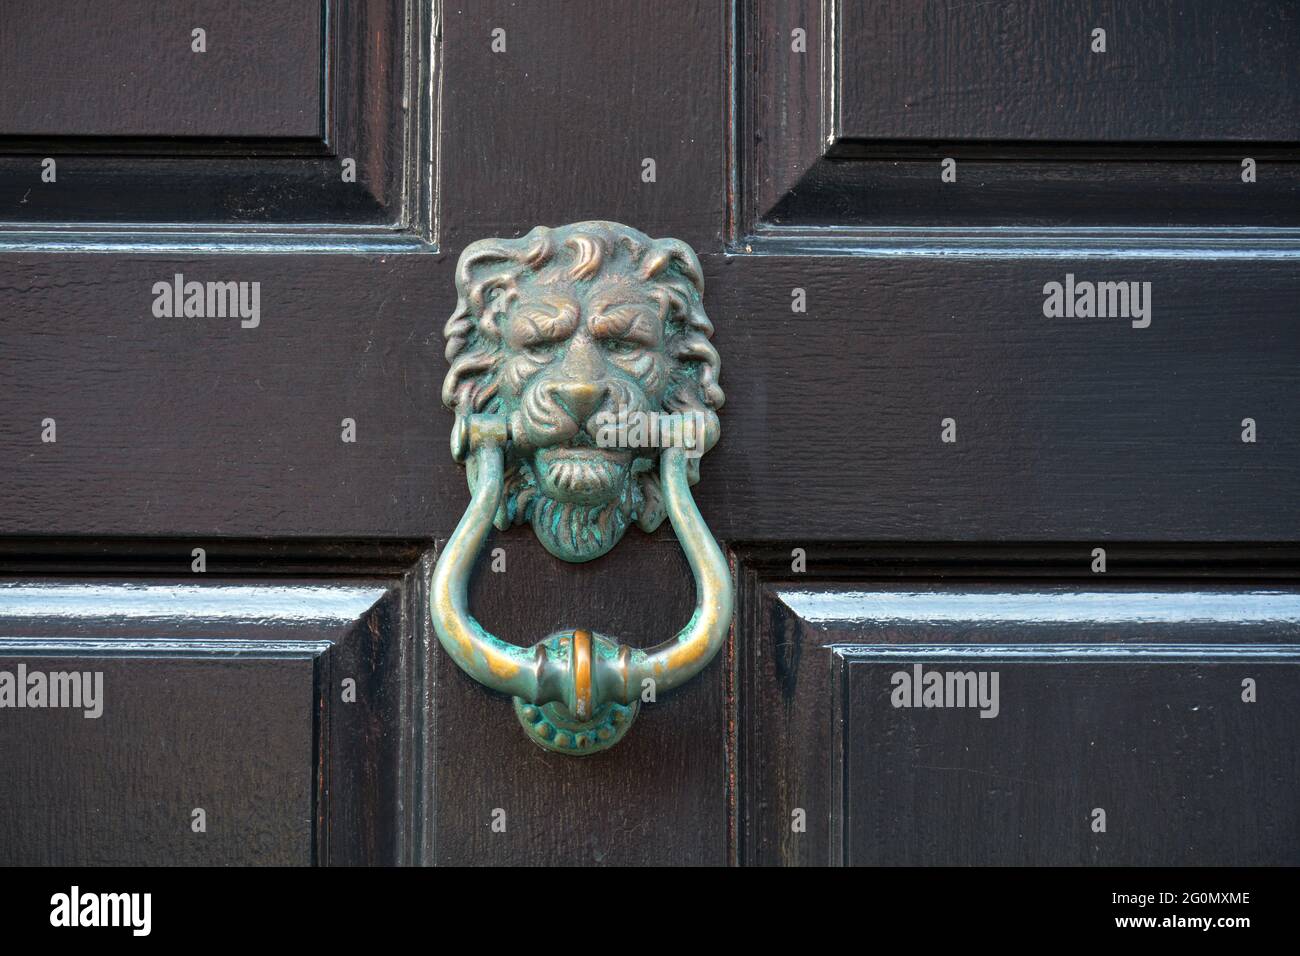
563	330
572	353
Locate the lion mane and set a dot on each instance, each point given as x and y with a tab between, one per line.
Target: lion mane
488	278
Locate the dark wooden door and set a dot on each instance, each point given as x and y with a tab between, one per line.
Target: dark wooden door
1007	309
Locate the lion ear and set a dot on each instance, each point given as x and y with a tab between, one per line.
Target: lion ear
652	512
668	252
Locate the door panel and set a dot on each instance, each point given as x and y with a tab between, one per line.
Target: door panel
847	136
307	121
263	63
204	427
938	70
231	740
1185	773
1128	698
273	707
917	179
307	452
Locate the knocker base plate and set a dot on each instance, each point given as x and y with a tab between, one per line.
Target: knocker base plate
553	727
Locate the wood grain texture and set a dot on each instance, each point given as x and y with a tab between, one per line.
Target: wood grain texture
1068	429
225	696
1171	72
554	130
1160	739
233	738
881	186
374	104
1187	774
848	136
1077	428
783	117
182	433
126	68
660	797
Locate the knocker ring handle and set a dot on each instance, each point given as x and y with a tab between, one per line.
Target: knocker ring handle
575	691
585	390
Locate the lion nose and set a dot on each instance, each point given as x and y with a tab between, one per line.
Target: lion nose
579	399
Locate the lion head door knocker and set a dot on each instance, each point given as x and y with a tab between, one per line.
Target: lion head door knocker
585	390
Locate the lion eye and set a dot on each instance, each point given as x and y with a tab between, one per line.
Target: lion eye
540	351
621	346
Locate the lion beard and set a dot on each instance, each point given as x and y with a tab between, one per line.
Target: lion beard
576	531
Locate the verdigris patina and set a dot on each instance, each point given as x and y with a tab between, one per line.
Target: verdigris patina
563	343
559	327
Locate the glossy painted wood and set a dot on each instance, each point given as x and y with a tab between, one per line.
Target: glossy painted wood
225	696
848	135
129	68
660	797
556	128
175	434
1185	771
1124	695
1068	429
1027	71
242	146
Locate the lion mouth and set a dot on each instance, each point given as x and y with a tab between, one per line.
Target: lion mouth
582	475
